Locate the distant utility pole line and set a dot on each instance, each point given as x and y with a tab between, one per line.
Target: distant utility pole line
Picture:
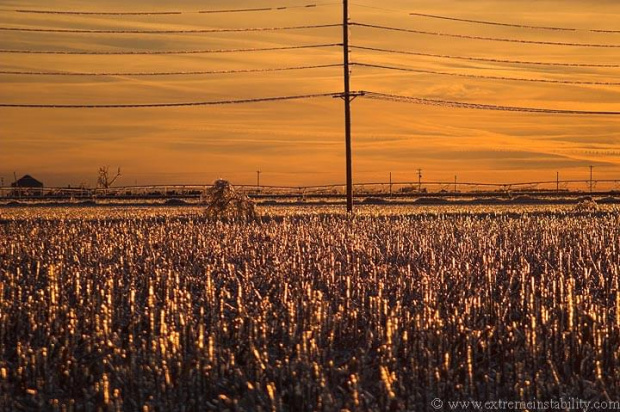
419	180
591	181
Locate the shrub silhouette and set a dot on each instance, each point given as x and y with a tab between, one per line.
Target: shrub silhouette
223	201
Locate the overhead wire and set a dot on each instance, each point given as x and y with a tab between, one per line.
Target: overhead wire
170	73
99	13
164	52
365	94
275	8
503	24
180	31
488	22
484	77
160	105
484	59
379	8
471	37
371	95
480	106
169	12
521	26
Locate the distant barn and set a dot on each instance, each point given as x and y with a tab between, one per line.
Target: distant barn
27	185
28	181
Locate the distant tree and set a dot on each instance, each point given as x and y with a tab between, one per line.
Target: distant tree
104	179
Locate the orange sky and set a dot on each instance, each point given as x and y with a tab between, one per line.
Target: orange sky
301	142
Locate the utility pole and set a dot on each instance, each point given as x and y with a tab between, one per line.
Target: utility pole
258	180
557	182
347	103
419	180
591	182
390	184
454	183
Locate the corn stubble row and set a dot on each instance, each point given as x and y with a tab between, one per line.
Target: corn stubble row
312	312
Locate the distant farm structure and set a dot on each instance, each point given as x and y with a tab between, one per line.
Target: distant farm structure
27	186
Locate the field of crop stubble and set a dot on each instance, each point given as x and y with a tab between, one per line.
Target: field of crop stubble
166	310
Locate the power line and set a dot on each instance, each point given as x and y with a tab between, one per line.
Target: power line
483	59
101	13
487	22
520	26
278	8
380	8
164	52
163	13
172	73
235	30
497	39
605	31
154	105
478	76
480	106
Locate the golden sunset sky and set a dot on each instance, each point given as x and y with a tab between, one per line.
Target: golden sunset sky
301	142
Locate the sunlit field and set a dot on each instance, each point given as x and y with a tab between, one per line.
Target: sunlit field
306	309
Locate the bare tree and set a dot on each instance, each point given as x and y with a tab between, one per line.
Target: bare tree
104	179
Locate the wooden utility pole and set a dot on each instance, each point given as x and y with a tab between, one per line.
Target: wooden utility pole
591	181
390	184
557	181
258	180
347	103
419	180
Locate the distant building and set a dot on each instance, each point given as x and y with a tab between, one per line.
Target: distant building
28	181
27	185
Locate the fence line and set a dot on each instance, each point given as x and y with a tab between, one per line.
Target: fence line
577	186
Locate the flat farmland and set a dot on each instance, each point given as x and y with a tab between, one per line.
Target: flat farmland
306	309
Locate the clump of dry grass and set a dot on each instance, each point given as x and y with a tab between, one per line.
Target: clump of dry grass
306	313
223	201
586	205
